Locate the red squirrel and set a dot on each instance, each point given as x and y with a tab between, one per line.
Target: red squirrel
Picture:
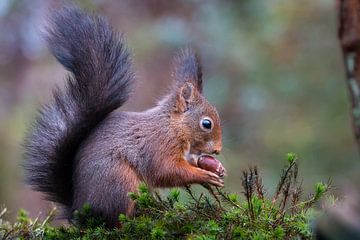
81	149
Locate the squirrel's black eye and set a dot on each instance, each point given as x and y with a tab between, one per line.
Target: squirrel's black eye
206	123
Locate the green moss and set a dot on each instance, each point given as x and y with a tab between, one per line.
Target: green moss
214	214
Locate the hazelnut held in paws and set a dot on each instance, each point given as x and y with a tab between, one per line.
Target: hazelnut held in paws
211	164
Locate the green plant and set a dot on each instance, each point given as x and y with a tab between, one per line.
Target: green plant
212	215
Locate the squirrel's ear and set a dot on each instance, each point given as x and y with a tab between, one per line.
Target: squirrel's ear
187	68
184	97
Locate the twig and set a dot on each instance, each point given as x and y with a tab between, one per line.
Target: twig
226	198
188	190
211	191
283	179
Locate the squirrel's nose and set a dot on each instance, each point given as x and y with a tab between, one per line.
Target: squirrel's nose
217	149
216	152
214	148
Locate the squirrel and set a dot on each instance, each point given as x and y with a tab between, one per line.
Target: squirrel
82	149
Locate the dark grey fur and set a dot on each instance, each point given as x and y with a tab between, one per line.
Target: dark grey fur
100	81
187	68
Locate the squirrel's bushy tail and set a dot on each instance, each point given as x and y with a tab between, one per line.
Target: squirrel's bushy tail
100	81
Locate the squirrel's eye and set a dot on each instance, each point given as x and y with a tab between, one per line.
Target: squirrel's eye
206	124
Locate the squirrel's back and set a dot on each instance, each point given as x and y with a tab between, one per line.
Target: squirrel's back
100	81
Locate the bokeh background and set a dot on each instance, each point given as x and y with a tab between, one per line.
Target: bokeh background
272	68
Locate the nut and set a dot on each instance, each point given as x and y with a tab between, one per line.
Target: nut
211	164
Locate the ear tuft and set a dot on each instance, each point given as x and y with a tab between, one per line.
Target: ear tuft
187	68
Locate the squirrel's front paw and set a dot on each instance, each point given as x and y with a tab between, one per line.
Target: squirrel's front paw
212	178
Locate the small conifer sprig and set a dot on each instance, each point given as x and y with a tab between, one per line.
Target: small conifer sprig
213	214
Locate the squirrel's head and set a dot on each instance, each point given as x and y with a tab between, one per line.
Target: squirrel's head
196	121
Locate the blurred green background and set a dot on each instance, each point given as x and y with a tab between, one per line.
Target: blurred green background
272	68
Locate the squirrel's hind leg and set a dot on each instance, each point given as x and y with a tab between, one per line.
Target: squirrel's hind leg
108	196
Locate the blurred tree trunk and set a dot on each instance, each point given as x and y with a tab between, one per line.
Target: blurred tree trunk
349	36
